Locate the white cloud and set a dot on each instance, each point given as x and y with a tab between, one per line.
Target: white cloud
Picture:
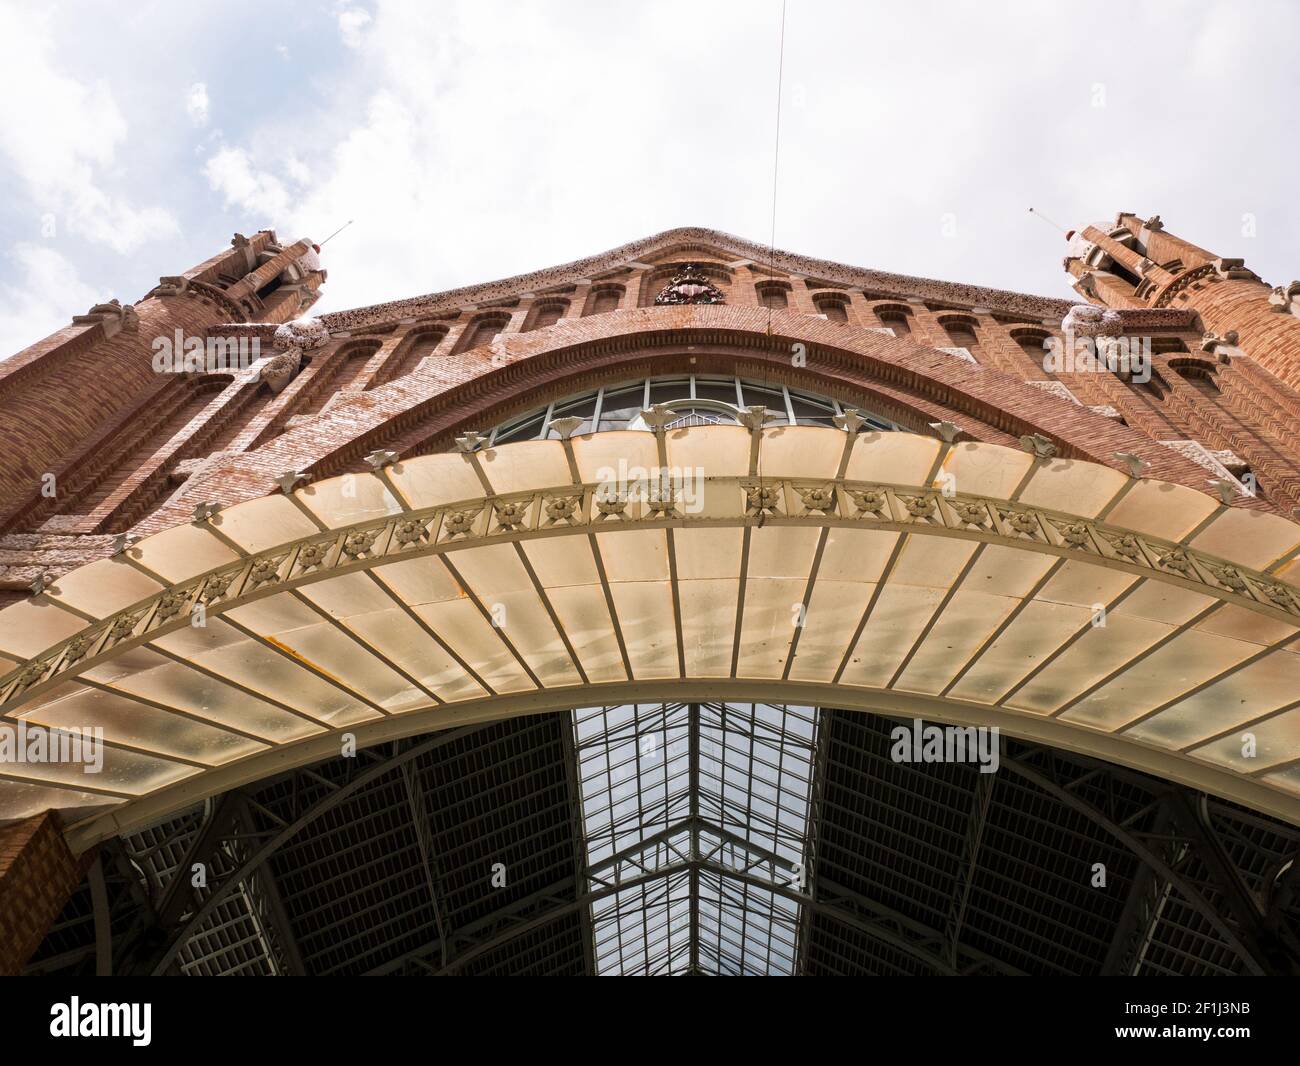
44	295
352	20
197	104
501	139
260	194
60	135
484	138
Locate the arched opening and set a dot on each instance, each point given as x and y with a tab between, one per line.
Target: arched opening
603	298
819	567
774	295
1033	342
417	347
482	330
1199	373
835	306
897	317
545	312
962	330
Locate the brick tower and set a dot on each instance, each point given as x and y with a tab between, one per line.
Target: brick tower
1233	391
94	435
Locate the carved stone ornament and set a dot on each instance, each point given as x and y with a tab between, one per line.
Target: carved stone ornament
690	286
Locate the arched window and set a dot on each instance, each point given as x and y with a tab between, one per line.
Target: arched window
1032	342
1199	373
695	399
482	330
545	313
417	347
896	317
962	330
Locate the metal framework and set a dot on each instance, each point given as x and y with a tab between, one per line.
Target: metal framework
691	839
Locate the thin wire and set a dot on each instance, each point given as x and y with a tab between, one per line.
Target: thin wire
776	162
771	245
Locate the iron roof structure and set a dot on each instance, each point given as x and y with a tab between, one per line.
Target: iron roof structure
691	839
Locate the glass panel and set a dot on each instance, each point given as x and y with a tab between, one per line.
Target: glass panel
665	391
621	406
102	587
527	429
808	412
765	395
703	803
133	723
723	391
583	407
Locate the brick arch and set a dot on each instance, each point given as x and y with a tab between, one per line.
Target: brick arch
546	311
907	382
774	293
416	345
605	296
323	374
482	329
833	304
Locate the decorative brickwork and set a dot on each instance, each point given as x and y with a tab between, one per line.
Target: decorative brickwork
86	464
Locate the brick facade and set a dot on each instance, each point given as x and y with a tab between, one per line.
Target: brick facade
133	451
37	875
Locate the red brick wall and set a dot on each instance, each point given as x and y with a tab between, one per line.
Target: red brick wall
37	875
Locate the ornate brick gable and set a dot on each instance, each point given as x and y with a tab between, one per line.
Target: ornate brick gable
412	374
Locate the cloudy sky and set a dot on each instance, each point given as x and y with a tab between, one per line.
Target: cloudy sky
474	140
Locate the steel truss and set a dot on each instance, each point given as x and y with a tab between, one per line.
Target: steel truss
718	847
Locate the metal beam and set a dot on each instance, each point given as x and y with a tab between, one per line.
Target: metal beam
420	826
1147	897
975	823
1254	963
269	848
